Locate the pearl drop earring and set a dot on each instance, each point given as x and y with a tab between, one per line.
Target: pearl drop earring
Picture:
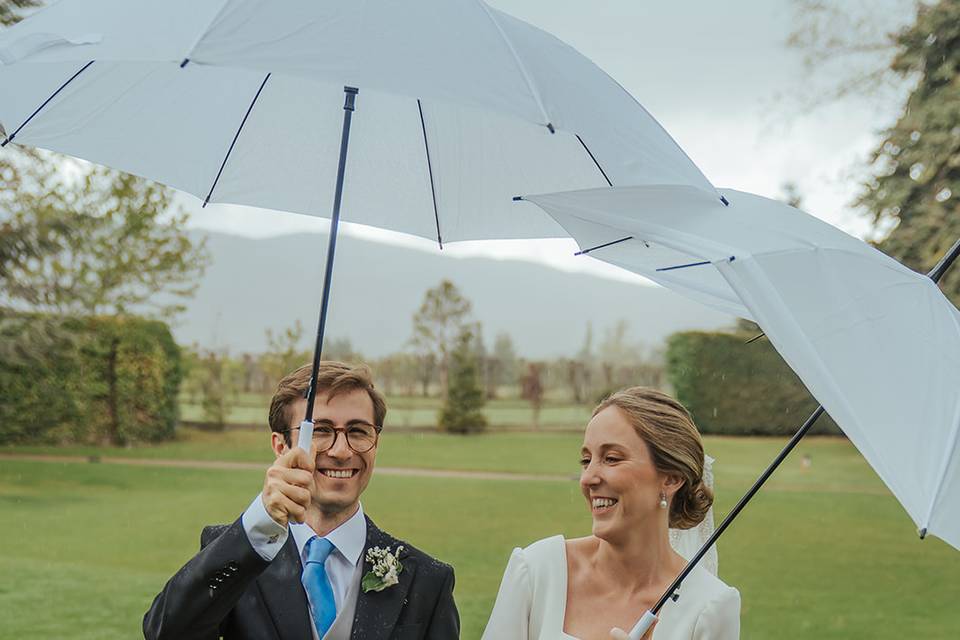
663	500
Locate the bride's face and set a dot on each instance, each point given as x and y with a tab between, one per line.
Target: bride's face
619	480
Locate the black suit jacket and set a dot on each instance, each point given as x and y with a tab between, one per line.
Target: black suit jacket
228	590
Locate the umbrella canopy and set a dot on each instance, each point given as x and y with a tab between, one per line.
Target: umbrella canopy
237	101
876	343
461	108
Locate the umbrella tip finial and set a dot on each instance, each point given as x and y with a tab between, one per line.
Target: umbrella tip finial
550	127
185	62
725	202
923	533
517	198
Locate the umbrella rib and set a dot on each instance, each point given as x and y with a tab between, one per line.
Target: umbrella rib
45	103
684	266
602	246
592	157
433	191
234	142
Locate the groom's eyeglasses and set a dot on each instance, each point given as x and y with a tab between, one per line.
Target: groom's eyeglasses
361	436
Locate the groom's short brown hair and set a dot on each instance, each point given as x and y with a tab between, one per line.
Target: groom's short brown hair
333	378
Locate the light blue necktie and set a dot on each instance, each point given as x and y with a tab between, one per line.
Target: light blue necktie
317	584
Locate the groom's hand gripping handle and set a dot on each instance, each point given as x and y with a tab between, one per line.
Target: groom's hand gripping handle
305	435
286	488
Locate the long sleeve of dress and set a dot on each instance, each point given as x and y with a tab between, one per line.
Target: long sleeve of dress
720	619
510	618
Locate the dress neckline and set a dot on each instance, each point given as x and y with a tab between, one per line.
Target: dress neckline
565	577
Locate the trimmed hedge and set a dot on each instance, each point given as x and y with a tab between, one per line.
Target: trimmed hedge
735	388
90	380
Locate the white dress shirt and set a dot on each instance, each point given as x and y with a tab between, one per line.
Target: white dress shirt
267	537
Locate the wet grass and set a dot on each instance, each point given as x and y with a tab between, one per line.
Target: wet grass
824	551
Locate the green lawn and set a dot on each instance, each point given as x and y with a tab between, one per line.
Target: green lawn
835	464
823	552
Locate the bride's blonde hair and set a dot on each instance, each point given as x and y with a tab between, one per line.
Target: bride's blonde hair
675	446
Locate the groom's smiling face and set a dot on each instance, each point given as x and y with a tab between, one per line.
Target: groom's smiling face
341	473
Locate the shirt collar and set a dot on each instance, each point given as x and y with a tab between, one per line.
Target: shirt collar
349	538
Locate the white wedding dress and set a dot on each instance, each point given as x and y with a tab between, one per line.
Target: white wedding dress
532	601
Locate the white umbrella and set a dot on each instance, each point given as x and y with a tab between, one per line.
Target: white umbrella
462	107
876	343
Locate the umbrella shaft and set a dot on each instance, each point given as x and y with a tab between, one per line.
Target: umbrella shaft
350	95
794	441
937	272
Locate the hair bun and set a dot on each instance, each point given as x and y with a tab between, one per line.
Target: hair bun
690	505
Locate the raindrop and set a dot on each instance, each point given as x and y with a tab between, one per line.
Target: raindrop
944	194
916	171
931	39
914	136
890	148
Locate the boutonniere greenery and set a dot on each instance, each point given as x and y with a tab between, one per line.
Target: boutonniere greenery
384	571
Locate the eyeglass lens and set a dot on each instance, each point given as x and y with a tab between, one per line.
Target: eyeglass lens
360	438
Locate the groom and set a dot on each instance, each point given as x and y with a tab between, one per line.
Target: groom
303	560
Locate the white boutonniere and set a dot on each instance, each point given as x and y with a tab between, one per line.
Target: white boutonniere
385	569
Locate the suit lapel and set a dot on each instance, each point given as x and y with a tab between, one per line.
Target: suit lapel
377	612
283	593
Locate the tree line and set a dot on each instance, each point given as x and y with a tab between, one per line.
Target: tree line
447	356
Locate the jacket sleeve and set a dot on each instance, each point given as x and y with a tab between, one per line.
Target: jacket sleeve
197	599
445	621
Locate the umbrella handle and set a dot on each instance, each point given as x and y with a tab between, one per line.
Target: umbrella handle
642	626
305	439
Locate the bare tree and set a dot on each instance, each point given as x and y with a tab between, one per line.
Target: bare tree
442	316
852	43
532	390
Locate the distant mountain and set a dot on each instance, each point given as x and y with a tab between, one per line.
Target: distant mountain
256	284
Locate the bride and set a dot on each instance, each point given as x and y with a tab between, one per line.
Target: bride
643	475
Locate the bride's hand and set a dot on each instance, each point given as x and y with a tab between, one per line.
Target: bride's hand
619	634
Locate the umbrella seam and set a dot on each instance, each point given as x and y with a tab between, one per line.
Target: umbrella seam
203	33
947	457
823	369
887	261
520	65
944	464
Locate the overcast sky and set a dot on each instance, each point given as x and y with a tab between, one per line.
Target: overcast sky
718	76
